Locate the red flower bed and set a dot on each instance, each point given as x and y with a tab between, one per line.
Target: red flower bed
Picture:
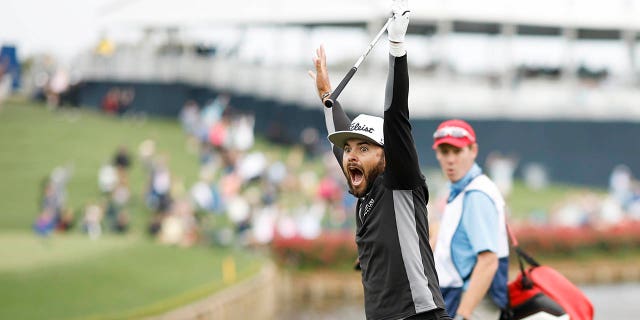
330	250
565	240
337	249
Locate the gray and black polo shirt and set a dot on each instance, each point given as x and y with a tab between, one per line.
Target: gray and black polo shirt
398	272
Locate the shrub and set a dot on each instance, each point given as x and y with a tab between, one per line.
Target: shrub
620	238
332	249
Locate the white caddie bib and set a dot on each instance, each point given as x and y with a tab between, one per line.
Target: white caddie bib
447	272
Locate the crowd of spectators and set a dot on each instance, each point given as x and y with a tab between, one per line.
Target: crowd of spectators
599	210
110	211
250	194
117	100
245	194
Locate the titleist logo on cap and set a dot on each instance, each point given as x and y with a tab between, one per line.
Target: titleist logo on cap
359	127
365	127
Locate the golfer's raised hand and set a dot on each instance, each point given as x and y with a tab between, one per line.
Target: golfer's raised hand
400	20
321	75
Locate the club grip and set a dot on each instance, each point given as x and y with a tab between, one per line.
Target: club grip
334	95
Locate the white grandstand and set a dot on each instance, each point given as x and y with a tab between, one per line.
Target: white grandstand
542	59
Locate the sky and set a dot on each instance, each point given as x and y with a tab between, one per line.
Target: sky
61	27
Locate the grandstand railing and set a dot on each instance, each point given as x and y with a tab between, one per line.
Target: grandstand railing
432	94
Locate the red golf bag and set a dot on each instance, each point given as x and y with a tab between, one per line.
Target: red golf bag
540	292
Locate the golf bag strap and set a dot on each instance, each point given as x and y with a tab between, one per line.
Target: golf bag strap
521	254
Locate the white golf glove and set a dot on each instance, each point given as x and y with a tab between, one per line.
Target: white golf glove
399	22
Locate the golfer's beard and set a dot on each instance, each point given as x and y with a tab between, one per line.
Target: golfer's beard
369	177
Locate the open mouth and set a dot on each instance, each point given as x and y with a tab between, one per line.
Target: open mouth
356	175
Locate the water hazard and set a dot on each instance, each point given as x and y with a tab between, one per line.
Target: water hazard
611	301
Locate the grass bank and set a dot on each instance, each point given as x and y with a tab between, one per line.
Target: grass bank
69	276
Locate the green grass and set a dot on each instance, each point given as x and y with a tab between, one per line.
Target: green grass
23	252
70	276
34	140
524	201
111	278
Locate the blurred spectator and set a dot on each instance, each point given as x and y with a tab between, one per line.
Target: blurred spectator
212	112
242	132
633	206
179	227
125	100
146	151
67	221
501	170
107	178
158	195
122	222
569	214
5	80
116	212
46	220
92	221
190	118
45	223
58	84
329	190
111	101
308	219
610	213
277	172
286	226
53	199
113	180
252	166
230	185
202	195
264	222
620	184
535	176
239	212
122	162
155	225
219	133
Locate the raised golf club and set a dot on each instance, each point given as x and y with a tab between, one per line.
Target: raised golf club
334	95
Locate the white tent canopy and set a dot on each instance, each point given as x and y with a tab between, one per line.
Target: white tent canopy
593	14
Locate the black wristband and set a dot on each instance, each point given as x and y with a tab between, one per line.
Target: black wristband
325	95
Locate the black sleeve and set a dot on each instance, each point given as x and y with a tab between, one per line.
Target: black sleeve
338	121
402	169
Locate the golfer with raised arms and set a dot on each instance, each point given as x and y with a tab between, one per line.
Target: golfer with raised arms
380	162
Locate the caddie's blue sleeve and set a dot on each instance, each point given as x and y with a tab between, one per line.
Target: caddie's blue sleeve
480	221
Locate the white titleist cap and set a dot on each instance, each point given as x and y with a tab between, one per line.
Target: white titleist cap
364	127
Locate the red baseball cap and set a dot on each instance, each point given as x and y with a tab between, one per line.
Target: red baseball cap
455	132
